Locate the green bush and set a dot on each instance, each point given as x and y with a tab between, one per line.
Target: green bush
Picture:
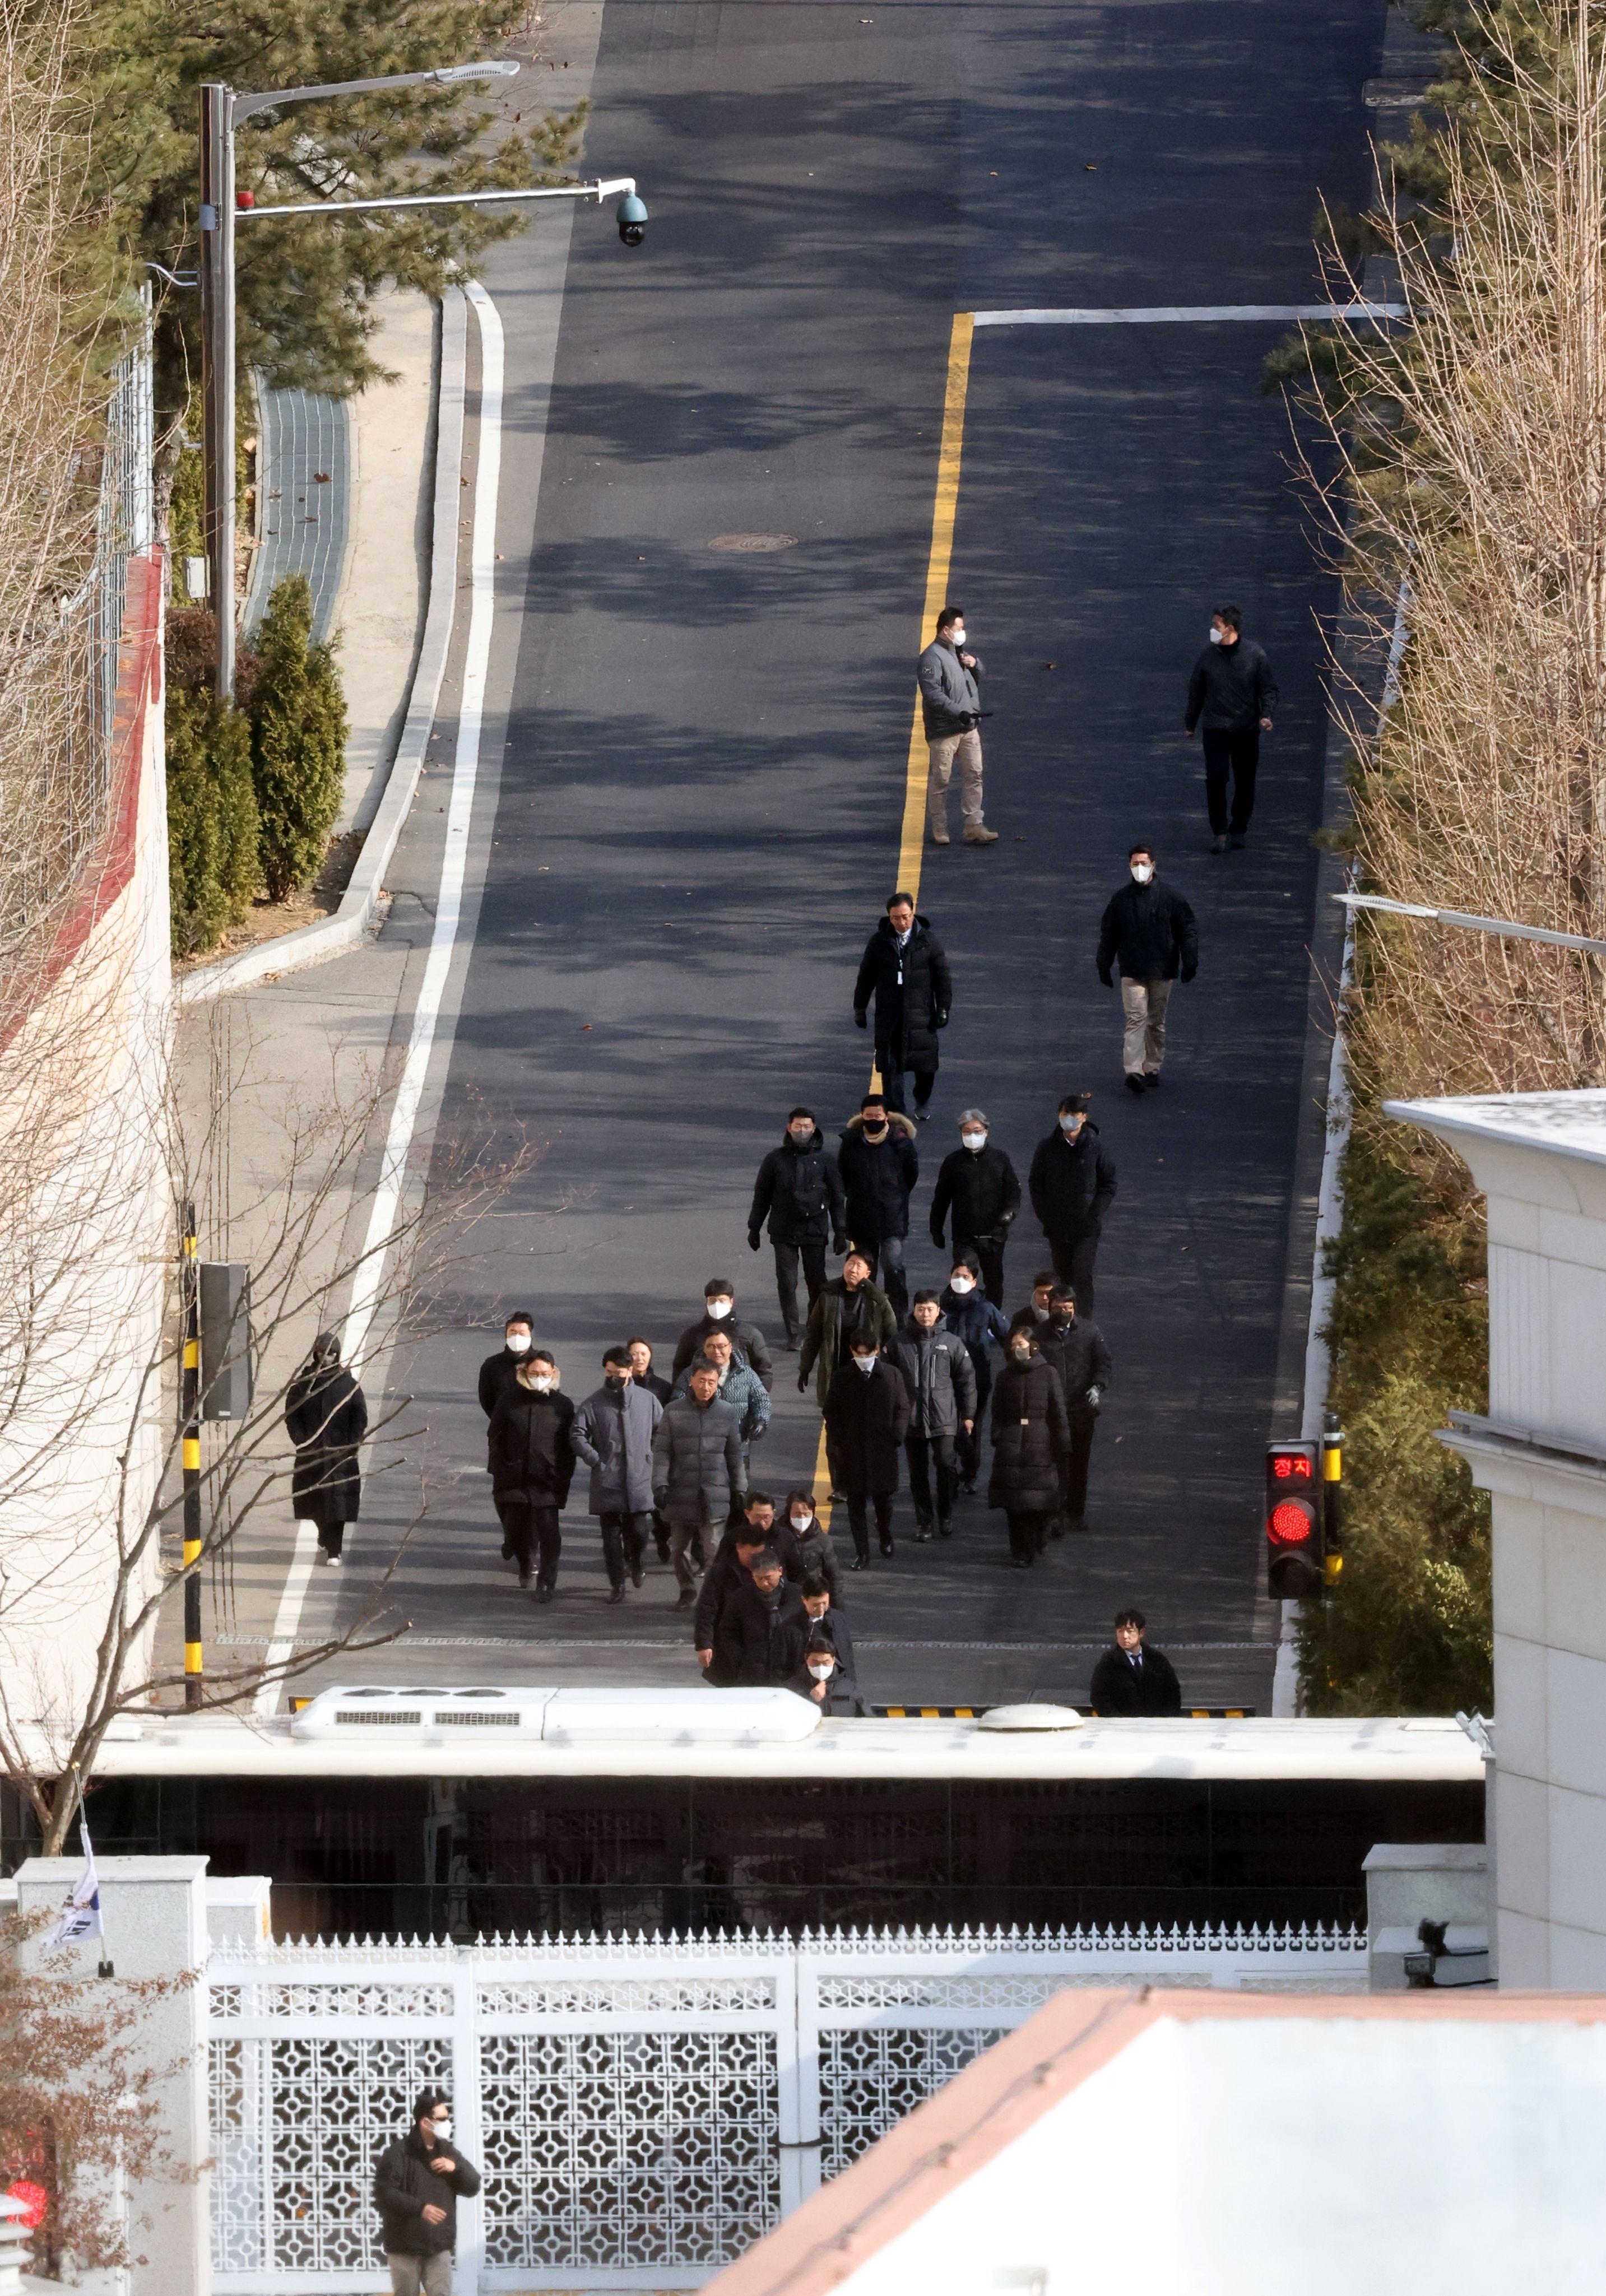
212	864
298	742
1409	1629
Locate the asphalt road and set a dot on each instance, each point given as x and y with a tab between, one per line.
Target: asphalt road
699	803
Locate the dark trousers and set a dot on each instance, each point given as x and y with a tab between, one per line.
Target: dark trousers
989	1258
1073	1469
858	1521
623	1542
931	1461
1073	1258
811	1251
967	1448
529	1531
331	1536
892	1079
887	1256
1238	754
1028	1536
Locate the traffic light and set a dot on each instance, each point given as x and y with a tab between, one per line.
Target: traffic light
1293	1521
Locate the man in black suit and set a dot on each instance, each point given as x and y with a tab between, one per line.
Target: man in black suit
1132	1678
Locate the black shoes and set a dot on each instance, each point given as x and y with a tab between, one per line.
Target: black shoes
1219	843
1076	1524
922	1532
944	1530
886	1546
1238	841
859	1563
967	1490
1019	1562
1150	1079
637	1573
507	1552
543	1595
1134	1085
684	1599
618	1596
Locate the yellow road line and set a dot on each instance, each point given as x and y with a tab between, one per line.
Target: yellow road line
912	844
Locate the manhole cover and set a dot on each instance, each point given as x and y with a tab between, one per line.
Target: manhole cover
754	542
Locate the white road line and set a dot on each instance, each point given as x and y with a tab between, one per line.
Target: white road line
1166	314
442	945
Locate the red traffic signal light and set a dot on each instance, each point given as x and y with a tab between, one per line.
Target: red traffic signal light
1293	1521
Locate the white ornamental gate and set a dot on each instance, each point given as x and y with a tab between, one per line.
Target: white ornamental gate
640	2111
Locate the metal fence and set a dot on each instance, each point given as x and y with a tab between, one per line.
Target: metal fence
124	526
640	2111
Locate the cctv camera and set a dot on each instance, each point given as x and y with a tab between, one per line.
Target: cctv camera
632	219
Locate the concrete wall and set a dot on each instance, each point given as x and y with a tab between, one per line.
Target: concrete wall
83	1084
1540	1158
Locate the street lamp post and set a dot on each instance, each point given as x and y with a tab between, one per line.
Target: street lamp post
221	112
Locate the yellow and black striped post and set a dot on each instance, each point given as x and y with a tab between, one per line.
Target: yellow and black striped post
1332	1500
189	1404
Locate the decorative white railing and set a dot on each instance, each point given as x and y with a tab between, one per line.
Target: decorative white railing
641	2109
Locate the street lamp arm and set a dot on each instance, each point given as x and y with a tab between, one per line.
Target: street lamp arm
244	106
1501	926
599	192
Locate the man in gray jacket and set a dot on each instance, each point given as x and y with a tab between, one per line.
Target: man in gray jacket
612	1432
941	1379
697	1476
950	704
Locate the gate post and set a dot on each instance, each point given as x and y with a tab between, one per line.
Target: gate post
469	2120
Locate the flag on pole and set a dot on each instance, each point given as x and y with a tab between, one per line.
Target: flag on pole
81	1915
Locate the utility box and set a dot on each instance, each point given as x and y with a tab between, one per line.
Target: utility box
226	1339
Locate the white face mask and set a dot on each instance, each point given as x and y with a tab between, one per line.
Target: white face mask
962	1284
1217	638
1070	1125
1143	871
518	1343
956	637
866	1363
821	1673
719	1309
800	1522
442	2129
974	1139
543	1382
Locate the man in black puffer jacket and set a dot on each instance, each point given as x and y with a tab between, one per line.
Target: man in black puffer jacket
904	970
1072	1183
976	1182
1075	1347
1231	696
799	1192
1149	932
879	1169
416	2188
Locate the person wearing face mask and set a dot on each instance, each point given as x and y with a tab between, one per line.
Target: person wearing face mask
798	1191
1075	1347
1071	1183
643	1373
416	2188
905	970
496	1372
741	1387
326	1418
817	1550
866	1423
719	1314
823	1681
975	1185
850	1304
937	1372
1232	698
950	709
1030	1438
879	1169
612	1432
1149	932
532	1466
697	1476
972	1318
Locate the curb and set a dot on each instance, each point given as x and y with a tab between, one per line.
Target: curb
354	918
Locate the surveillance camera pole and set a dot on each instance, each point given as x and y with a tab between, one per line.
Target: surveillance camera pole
221	112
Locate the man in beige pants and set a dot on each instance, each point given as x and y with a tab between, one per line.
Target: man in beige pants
950	701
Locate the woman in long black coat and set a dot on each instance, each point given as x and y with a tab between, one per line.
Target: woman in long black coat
327	1418
1031	1435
